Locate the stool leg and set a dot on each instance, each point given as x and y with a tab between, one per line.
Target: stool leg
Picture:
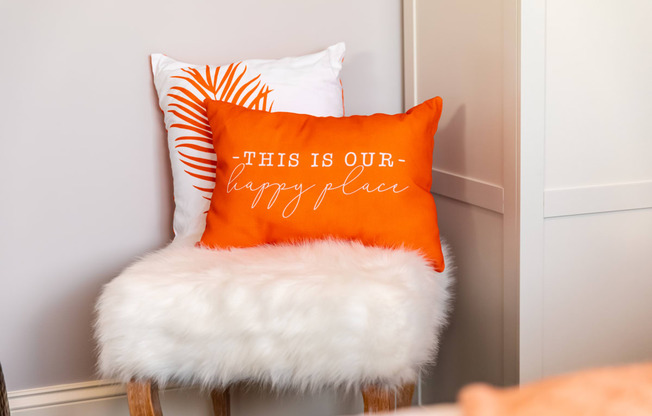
143	399
4	402
379	399
221	402
404	395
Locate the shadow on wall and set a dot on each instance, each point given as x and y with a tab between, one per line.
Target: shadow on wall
442	382
449	140
471	346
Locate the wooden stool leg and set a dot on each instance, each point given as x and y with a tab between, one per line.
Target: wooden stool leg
379	399
4	402
221	402
404	395
143	399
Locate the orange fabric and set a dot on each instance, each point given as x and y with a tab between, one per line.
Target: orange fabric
285	177
616	391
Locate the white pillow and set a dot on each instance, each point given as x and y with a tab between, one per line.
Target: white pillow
307	84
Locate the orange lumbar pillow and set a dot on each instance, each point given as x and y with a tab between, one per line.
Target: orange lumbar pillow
285	177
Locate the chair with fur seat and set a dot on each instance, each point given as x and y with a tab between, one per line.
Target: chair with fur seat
304	316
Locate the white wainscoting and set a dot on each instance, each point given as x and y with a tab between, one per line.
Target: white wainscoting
584	111
100	398
531	197
597	287
472	191
599	198
64	394
473	66
106	398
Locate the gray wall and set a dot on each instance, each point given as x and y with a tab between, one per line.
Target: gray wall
84	175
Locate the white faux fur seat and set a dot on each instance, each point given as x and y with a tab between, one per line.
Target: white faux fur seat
323	313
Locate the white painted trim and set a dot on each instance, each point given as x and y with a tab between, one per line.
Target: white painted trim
510	192
64	394
599	198
501	199
409	54
471	191
69	394
532	164
461	188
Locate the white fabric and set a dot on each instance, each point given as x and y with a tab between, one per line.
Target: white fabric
308	84
317	314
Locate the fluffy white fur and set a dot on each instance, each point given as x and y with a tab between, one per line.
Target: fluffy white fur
316	314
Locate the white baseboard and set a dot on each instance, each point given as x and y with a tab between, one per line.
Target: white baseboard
64	394
100	398
105	398
558	202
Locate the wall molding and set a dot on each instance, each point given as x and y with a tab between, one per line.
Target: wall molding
511	198
70	394
468	190
598	198
503	198
64	394
532	87
451	185
409	54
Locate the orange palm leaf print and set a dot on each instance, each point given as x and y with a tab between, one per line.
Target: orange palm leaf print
195	146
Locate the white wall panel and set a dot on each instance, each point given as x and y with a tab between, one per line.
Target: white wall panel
465	51
592	307
598	89
459	56
598	290
84	175
472	345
